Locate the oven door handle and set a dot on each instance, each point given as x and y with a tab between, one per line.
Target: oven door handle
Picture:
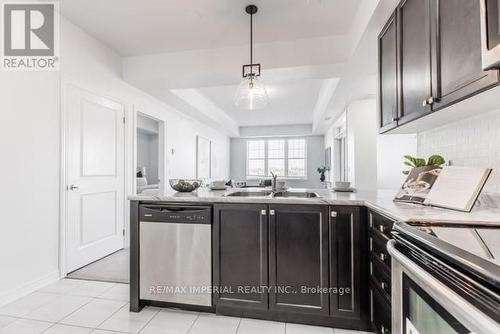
468	315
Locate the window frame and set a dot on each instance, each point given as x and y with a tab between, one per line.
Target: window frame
266	159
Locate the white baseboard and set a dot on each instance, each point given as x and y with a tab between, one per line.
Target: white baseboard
28	287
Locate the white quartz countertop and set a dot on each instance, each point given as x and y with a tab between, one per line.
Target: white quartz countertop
380	201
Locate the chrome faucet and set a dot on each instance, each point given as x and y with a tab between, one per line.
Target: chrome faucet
273	184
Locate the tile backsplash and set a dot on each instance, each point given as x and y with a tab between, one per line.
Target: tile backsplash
471	142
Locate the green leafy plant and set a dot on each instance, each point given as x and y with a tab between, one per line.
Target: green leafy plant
323	169
433	160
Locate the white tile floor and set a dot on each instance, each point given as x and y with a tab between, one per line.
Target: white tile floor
81	307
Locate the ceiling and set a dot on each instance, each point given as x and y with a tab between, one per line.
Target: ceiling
134	27
290	103
316	55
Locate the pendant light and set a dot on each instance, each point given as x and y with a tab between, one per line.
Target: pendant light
251	93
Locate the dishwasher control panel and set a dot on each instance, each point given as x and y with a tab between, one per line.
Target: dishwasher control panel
176	214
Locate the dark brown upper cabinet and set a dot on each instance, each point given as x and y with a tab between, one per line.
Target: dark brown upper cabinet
456	46
298	258
388	75
415	91
240	255
438	60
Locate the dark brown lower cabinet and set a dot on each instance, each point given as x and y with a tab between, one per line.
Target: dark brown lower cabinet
348	263
379	231
240	255
298	258
312	269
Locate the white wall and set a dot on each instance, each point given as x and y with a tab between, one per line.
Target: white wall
390	152
362	134
30	112
276	130
29	199
315	158
471	142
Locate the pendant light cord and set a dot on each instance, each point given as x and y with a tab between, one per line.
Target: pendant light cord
251	41
251	46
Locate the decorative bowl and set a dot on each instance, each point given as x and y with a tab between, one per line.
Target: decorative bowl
342	185
184	185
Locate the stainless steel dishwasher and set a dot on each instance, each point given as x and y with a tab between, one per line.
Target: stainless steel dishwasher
175	247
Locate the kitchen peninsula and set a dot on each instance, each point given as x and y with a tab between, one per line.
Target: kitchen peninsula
283	257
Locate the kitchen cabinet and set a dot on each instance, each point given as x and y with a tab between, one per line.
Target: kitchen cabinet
438	61
348	263
379	231
456	44
388	97
240	256
298	258
415	61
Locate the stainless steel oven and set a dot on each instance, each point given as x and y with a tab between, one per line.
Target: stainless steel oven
490	33
438	288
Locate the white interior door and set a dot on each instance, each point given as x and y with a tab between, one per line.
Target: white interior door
95	170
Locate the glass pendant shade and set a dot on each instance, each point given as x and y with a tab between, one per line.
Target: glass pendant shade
251	94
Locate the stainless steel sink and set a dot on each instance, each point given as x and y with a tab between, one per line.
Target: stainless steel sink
295	194
250	194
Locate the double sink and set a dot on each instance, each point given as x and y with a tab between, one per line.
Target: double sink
277	194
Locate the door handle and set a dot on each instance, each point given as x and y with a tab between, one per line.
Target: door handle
73	187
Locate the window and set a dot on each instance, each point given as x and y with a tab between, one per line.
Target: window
283	157
256	158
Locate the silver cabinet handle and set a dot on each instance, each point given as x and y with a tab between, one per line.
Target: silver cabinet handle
74	187
271	212
382	256
428	101
383	285
333	214
381	228
263	212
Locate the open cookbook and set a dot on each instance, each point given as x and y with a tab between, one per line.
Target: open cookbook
449	187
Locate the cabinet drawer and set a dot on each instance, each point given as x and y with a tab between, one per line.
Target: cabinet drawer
381	313
378	250
381	280
381	224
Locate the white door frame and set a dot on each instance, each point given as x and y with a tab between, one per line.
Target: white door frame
63	180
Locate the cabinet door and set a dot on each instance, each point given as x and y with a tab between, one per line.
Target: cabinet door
387	53
298	258
415	59
348	263
458	71
240	255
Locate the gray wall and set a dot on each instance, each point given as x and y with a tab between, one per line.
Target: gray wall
147	155
315	158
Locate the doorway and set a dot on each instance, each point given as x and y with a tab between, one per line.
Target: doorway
148	162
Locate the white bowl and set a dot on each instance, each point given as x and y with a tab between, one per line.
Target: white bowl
218	184
342	185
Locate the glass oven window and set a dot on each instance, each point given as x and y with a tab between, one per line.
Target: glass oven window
423	315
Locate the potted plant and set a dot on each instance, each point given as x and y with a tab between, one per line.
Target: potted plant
434	160
322	170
